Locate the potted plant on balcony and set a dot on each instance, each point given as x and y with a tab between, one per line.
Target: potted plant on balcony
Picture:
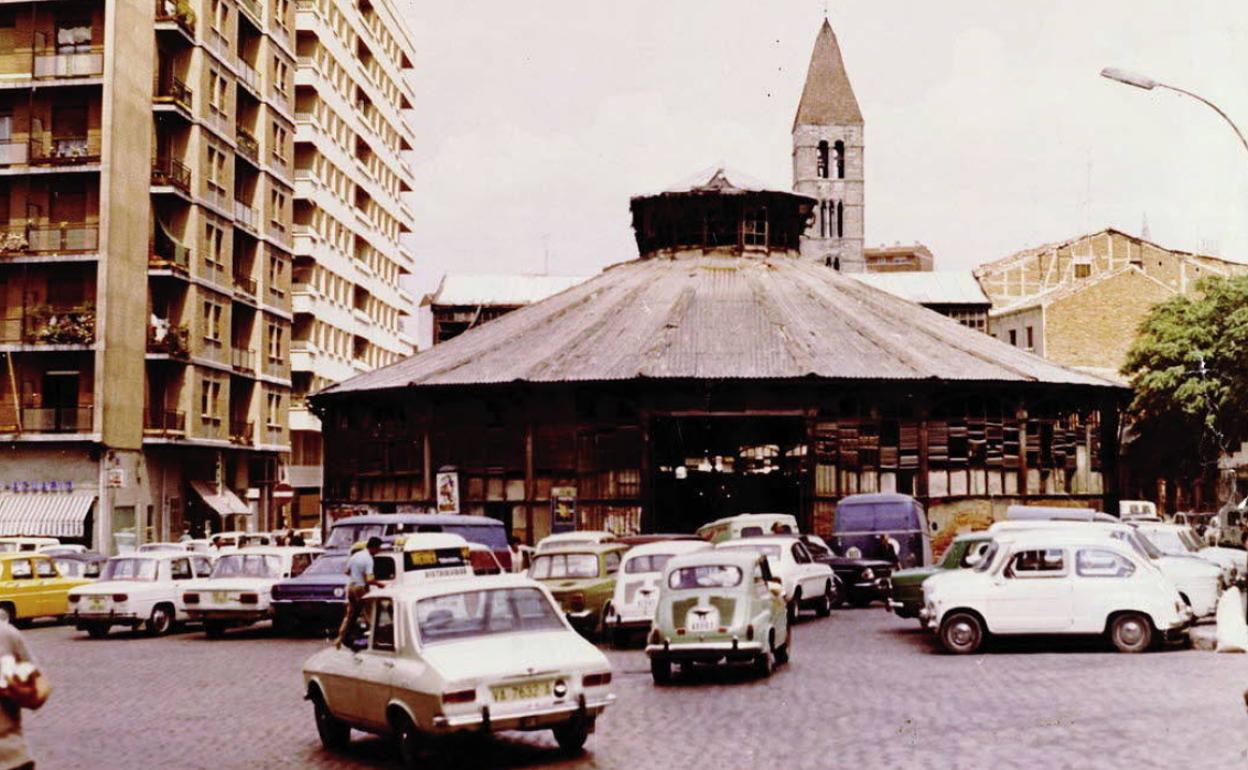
74	326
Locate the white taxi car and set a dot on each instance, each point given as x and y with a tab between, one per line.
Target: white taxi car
433	556
137	589
1055	582
238	592
637	585
807	583
481	654
1180	540
579	537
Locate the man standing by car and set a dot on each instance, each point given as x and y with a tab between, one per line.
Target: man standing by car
18	693
359	578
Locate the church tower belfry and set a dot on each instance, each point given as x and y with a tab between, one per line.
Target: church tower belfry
827	158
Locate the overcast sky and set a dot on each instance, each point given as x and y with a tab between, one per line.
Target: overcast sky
988	129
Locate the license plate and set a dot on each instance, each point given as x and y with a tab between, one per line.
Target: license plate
525	691
97	602
220	597
701	622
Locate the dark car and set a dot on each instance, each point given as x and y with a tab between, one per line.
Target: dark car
392	527
884	526
861	581
318	596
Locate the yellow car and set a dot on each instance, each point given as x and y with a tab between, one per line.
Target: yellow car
32	587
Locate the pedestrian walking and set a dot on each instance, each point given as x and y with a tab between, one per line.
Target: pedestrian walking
23	687
359	578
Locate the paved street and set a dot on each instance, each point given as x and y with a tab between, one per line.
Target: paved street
864	689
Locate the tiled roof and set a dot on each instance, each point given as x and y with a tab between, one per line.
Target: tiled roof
827	98
718	317
1044	298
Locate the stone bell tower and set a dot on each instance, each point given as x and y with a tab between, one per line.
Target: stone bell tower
827	159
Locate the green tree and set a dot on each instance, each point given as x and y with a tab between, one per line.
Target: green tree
1189	368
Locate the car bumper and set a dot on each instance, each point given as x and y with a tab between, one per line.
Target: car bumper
582	620
705	652
233	616
903	609
538	719
83	619
631	622
321	612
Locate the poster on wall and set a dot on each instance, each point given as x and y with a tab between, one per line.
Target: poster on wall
562	509
448	492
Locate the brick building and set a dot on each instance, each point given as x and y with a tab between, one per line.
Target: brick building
897	258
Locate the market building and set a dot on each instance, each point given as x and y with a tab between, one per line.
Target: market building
463	301
952	293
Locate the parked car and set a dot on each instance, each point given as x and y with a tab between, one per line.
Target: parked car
654	537
150	547
858	581
81	564
1055	582
433	556
719	605
137	589
200	545
579	537
885	526
391	527
32	587
16	544
470	656
317	597
1137	510
483	560
1178	540
582	579
1230	526
748	525
806	582
906	585
1198	581
637	587
238	592
60	549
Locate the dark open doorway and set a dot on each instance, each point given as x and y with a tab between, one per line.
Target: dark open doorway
706	468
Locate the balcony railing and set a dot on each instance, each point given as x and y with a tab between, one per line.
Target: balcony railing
164	422
245	215
211	271
14	153
179	12
243	360
252	7
170	89
171	172
276	367
45	325
69	64
56	419
210	427
245	286
248	76
167	254
248	147
50	239
65	151
243	432
170	340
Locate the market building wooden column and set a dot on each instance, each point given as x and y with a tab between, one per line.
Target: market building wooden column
1109	455
648	524
1021	415
530	486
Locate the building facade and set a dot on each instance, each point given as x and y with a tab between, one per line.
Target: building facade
899	259
952	293
350	134
828	159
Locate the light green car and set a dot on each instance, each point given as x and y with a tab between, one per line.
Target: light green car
718	606
582	579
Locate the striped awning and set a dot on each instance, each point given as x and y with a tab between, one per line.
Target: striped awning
45	515
220	498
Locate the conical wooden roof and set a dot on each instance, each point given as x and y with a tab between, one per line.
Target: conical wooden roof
828	98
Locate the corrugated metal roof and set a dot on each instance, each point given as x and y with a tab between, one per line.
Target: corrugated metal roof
498	289
944	287
718	317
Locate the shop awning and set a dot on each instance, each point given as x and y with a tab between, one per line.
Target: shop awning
224	501
45	515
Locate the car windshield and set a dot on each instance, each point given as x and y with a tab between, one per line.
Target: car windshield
1143	545
130	569
1192	539
329	564
770	551
651	562
484	613
248	565
345	535
875	517
1168	540
709	576
564	565
990	555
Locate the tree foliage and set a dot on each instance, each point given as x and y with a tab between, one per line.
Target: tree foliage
1189	368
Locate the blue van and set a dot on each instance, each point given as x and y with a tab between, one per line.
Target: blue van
867	523
390	526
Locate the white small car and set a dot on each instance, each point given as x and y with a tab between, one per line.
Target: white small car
637	585
238	592
807	583
748	525
477	655
149	547
1180	540
432	556
14	544
1054	582
137	589
580	537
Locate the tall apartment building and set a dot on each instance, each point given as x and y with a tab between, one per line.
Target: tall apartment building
146	199
350	133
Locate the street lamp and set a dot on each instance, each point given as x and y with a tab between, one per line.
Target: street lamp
1148	84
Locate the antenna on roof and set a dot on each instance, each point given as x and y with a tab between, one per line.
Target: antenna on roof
825	10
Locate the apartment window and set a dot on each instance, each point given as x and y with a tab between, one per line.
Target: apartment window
273	415
275	275
1083	270
214	241
1014	337
275	341
1031	339
277	202
280	9
219	16
280	137
217	91
210	400
281	71
212	321
216	170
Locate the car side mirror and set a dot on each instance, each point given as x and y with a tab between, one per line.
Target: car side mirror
973	558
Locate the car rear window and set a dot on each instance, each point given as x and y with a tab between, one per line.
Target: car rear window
654	562
564	565
709	576
875	517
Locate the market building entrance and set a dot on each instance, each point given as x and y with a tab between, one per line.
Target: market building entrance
707	467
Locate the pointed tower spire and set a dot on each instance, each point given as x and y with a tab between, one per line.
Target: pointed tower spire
828	98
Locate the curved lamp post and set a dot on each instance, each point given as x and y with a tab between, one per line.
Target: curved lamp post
1148	84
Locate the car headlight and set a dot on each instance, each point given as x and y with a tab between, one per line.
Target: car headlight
868	574
853	552
339	592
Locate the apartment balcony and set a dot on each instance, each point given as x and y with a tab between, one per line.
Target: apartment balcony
243	432
177	14
243	360
246	217
248	147
56	419
171	172
62	65
170	90
248	77
167	254
245	287
164	423
14	153
49	240
49	326
65	151
169	340
252	9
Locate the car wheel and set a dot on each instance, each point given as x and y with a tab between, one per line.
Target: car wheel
98	630
7	614
214	629
410	741
1131	632
161	620
795	606
571	736
661	670
824	608
765	663
781	653
335	734
961	633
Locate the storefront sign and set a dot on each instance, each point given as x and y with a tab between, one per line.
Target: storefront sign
115	478
448	492
46	487
562	509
